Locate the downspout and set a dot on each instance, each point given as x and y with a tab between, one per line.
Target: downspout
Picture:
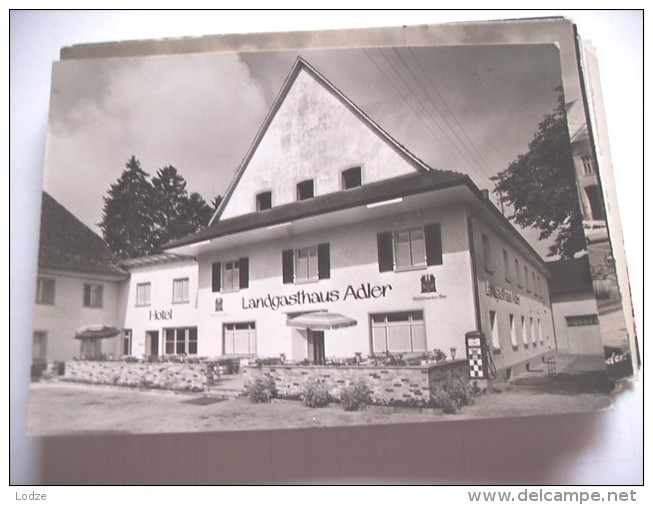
472	254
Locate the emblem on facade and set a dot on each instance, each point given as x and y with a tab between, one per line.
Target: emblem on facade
428	283
218	304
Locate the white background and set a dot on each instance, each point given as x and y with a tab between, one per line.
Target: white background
610	447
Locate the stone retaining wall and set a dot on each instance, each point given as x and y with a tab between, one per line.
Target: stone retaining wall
170	376
387	384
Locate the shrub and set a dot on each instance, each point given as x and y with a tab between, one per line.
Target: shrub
453	392
316	394
260	388
355	395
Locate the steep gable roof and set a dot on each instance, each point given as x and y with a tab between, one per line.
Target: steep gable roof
68	244
302	66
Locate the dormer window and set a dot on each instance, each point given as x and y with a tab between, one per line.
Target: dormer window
264	201
305	190
351	178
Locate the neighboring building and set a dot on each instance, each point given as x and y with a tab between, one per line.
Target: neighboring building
78	285
591	199
575	312
159	306
328	213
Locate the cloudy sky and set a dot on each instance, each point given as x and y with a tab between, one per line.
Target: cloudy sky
471	109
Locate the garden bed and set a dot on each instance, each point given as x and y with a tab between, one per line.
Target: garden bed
411	386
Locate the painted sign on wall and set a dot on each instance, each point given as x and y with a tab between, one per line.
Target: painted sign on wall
160	315
364	291
501	294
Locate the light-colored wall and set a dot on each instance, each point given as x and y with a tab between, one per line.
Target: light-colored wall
532	304
448	313
61	320
141	319
312	136
576	339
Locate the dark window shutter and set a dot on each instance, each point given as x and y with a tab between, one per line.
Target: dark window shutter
243	268
384	245
215	277
288	266
323	262
433	244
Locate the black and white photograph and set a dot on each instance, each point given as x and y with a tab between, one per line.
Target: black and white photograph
323	256
268	239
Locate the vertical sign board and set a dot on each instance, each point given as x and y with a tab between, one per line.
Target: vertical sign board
476	352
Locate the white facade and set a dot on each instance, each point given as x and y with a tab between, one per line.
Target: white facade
159	306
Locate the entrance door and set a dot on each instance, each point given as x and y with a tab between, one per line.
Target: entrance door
152	343
316	347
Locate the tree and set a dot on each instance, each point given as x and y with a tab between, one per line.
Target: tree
540	186
141	216
127	221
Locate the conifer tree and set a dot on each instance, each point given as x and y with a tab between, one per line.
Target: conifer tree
140	216
127	221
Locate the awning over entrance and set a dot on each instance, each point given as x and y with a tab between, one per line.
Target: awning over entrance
96	331
322	321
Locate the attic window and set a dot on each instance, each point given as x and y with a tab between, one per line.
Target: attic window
264	201
305	190
351	178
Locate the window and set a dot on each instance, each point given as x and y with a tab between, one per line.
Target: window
532	329
264	201
305	190
539	287
494	330
407	249
518	273
487	254
230	275
126	342
539	330
506	266
410	250
181	340
143	292
533	286
513	332
588	167
524	331
40	347
91	348
306	264
180	290
239	338
585	320
93	295
526	285
351	178
45	291
398	332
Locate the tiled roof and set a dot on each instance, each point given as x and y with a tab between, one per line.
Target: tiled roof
405	185
68	244
570	275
